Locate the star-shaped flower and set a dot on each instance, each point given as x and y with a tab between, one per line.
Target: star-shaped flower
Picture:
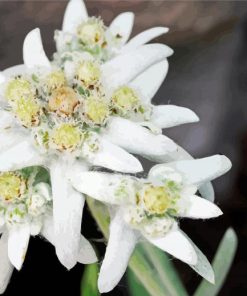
89	34
151	208
26	210
43	119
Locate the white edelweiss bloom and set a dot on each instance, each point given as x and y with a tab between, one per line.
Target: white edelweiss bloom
53	120
81	32
25	210
150	208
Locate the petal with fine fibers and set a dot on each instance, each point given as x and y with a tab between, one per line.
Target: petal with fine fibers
6	119
17	245
137	139
199	208
206	189
165	116
75	13
14	71
196	171
67	213
125	67
9	138
100	186
6	268
33	51
86	254
122	26
121	244
202	266
20	156
149	82
115	158
144	37
2	77
177	245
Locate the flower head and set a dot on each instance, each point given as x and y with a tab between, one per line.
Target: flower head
151	208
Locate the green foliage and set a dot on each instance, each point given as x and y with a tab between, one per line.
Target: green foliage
221	264
89	280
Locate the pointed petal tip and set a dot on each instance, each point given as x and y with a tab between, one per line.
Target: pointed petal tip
66	260
33	51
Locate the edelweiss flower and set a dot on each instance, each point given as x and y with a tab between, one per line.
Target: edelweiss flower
150	208
25	210
89	34
43	121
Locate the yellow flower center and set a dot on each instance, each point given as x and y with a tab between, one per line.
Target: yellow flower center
156	199
91	32
88	72
96	109
11	186
55	80
18	88
67	137
27	111
125	99
63	101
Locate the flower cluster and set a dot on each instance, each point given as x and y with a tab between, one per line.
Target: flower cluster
62	121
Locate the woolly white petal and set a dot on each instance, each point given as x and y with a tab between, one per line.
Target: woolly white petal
148	82
15	70
67	212
202	267
115	158
9	138
33	51
125	67
6	268
122	25
6	119
86	254
137	139
98	185
144	37
200	208
176	244
196	171
75	13
168	115
18	244
206	189
119	249
19	156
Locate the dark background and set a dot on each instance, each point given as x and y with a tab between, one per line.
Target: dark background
208	73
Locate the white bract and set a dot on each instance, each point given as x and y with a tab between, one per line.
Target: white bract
58	120
151	208
26	210
89	34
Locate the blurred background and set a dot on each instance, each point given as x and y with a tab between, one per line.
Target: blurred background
208	73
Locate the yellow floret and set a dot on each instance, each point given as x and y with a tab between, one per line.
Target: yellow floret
88	72
27	111
18	88
125	99
91	32
67	137
55	80
156	199
96	110
63	100
11	186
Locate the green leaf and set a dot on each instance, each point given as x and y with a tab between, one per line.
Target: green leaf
166	271
135	286
221	264
89	280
